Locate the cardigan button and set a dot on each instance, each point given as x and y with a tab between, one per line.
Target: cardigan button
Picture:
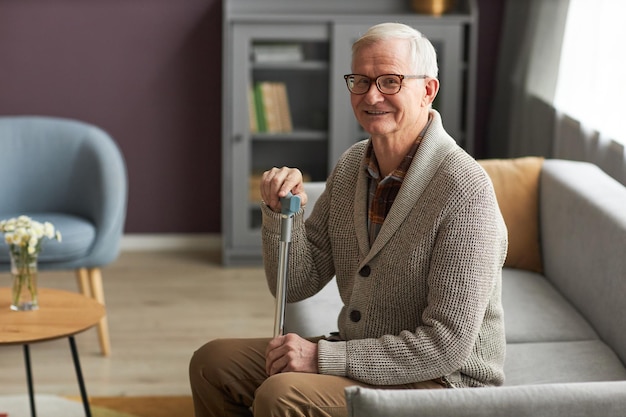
365	271
355	316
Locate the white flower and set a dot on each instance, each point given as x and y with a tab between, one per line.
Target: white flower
48	230
24	234
8	238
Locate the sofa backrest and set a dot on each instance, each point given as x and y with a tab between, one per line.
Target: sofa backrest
326	304
313	191
583	240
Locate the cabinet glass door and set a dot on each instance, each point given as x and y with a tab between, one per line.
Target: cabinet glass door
279	117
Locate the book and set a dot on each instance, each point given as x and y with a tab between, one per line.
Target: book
271	108
284	112
277	52
252	116
258	105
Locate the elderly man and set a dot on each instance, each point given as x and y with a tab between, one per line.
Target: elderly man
409	225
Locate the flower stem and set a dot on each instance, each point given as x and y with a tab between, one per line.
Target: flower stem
25	276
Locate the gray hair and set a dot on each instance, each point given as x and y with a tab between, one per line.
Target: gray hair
423	55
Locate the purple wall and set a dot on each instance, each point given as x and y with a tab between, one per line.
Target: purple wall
148	72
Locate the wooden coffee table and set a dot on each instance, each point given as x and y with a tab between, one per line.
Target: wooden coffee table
61	314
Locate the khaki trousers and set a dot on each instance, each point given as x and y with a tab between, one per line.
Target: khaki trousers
228	378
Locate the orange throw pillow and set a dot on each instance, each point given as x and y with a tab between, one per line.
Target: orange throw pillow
516	183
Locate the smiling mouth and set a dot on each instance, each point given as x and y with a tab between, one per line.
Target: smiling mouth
375	113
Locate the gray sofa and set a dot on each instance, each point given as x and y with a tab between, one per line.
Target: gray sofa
565	318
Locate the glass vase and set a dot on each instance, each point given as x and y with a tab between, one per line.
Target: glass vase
24	272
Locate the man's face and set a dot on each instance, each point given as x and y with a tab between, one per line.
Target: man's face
385	115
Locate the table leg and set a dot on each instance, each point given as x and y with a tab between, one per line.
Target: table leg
29	381
79	376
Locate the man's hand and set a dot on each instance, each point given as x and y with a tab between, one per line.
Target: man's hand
277	182
290	353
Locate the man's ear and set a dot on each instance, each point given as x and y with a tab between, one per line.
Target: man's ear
431	85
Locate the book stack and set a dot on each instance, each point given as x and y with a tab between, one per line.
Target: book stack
277	53
269	108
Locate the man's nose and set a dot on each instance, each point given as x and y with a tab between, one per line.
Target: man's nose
373	94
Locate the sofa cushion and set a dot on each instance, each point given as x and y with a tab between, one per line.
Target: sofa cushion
580	361
534	311
516	183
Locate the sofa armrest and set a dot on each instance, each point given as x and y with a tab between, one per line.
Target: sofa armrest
583	236
606	399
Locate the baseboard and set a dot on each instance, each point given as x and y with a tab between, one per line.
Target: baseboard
141	242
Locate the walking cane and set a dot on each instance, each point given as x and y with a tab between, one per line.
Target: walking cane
290	206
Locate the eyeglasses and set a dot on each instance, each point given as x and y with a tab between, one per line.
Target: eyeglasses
387	83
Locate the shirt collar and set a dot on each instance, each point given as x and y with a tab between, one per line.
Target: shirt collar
370	163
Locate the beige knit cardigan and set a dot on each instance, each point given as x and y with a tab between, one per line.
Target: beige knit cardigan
424	301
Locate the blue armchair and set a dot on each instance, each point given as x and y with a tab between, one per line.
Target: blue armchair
73	175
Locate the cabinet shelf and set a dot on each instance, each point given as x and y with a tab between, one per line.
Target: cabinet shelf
296	135
292	66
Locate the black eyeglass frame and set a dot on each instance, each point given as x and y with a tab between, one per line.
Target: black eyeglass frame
375	81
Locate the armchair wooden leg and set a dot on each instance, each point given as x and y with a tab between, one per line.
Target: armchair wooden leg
90	283
83	282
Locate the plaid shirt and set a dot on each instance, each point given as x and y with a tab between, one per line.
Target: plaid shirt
382	193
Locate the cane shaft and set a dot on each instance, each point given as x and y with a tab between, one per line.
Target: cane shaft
281	284
290	205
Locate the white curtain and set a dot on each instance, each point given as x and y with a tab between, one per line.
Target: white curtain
591	88
525	120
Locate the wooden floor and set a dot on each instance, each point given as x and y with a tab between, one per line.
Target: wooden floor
161	305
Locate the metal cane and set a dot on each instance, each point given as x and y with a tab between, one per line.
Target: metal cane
290	206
